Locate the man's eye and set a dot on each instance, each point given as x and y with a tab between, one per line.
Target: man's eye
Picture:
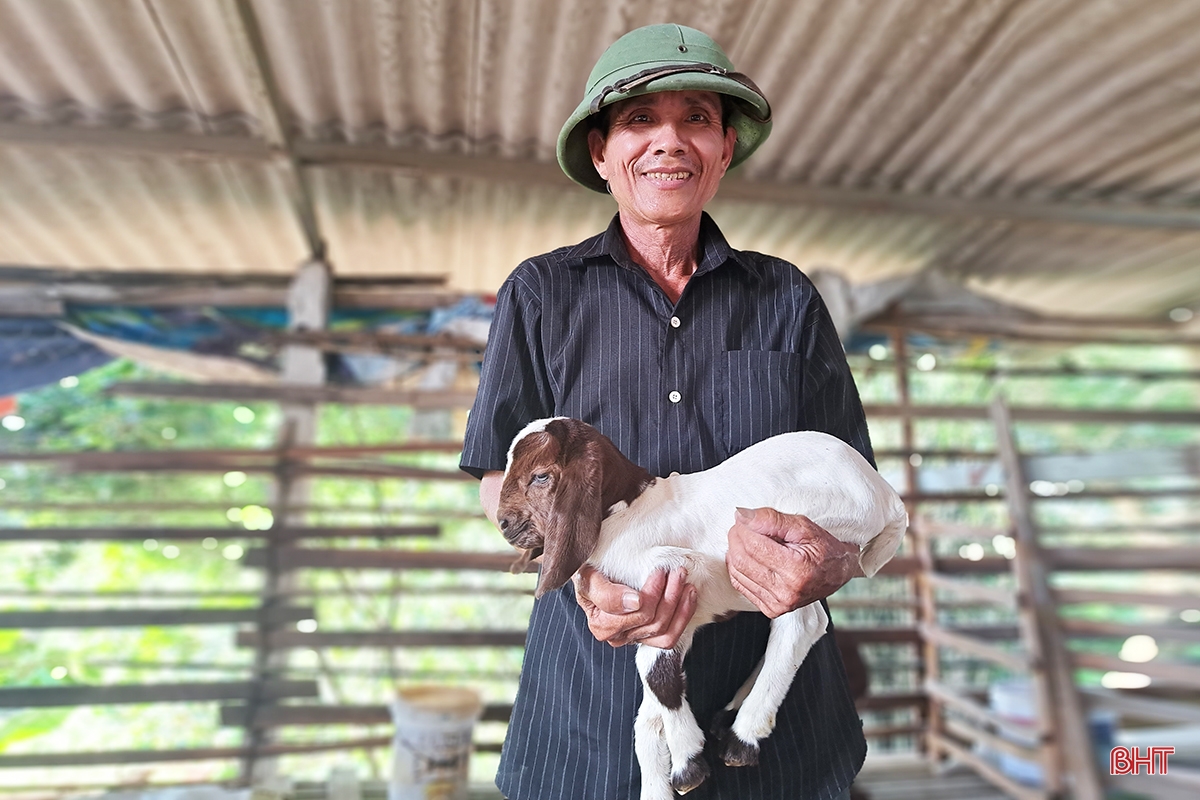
540	479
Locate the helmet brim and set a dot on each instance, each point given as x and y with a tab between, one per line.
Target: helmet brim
750	117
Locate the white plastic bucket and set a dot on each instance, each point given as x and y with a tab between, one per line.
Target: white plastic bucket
431	751
1014	700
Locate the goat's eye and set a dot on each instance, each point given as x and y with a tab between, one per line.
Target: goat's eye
540	479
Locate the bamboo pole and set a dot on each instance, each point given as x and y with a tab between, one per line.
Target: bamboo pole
428	399
140	617
280	534
48	696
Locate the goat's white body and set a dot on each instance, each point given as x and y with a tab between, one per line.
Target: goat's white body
684	520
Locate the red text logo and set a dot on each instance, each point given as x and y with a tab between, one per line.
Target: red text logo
1128	761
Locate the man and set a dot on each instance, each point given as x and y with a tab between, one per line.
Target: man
683	352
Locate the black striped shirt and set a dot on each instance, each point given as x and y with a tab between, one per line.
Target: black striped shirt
749	351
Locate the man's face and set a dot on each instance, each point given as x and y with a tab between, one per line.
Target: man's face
664	155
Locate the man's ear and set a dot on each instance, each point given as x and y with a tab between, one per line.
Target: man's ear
595	141
730	143
573	528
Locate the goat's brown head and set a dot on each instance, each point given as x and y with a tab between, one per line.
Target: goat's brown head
553	497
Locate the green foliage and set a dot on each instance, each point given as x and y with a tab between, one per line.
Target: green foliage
84	417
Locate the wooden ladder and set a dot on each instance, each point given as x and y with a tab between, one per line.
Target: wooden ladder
960	724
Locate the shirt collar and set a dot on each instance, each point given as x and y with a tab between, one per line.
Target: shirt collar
714	249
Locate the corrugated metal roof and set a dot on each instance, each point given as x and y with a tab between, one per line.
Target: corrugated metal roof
1058	102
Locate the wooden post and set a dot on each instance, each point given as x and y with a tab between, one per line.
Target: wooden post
1068	747
309	303
928	669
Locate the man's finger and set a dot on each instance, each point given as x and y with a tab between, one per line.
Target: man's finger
664	603
684	611
760	560
750	590
607	596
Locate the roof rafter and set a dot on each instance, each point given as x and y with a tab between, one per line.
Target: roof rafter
256	66
302	154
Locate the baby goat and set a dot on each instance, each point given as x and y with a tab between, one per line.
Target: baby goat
570	496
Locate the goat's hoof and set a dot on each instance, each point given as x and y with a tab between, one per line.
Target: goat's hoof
737	753
722	722
692	775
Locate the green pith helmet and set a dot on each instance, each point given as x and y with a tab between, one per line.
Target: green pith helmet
662	58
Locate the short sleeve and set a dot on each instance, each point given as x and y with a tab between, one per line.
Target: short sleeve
830	397
513	385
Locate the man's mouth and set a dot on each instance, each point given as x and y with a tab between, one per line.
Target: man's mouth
668	176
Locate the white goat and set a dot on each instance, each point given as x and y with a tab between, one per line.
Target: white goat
570	496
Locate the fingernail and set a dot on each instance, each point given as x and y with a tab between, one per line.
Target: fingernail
693	595
631	601
683	573
743	515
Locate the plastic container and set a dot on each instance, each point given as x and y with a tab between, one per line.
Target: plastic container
1014	700
431	751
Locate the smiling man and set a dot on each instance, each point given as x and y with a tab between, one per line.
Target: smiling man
683	351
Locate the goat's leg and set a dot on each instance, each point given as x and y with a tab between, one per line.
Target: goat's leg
722	721
650	745
792	636
664	684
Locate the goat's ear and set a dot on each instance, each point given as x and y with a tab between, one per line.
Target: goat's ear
573	529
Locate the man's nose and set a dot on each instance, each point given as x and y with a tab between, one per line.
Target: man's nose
669	138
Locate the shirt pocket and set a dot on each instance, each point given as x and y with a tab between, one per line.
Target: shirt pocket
762	396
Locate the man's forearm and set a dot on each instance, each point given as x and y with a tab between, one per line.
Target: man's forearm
489	493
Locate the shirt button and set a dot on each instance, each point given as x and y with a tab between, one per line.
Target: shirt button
675	323
674	397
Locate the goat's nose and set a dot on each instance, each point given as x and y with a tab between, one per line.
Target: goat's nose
503	523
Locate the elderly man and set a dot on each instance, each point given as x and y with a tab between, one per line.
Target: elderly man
683	351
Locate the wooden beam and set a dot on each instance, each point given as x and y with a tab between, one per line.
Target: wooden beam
890	701
292	558
279	716
1163	599
1187	675
1121	330
103	757
974	646
999	595
47	696
138	617
543	173
294	534
1096	628
957	531
1057	696
291	640
1147	708
987	770
969	707
107	288
246	37
1035	414
235	455
983	739
1122	558
299	393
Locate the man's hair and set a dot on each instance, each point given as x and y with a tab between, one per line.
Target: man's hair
601	120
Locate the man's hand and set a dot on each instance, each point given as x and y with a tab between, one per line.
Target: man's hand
781	562
619	614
